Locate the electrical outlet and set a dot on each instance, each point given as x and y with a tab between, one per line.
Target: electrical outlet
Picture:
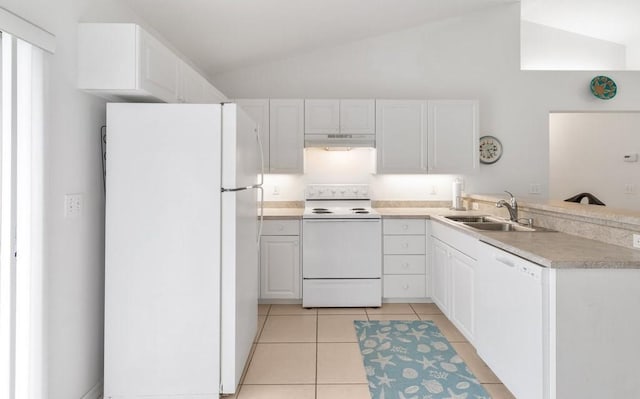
72	206
629	188
636	240
433	191
534	188
475	206
276	190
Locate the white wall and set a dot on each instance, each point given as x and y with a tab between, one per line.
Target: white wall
74	248
586	154
474	56
547	48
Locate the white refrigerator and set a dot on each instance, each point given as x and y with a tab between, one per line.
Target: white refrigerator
183	188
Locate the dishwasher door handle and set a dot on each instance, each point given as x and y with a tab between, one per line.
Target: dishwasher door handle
505	261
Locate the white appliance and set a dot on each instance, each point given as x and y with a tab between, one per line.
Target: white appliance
181	260
341	247
509	331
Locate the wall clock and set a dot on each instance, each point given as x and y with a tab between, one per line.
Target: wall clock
490	149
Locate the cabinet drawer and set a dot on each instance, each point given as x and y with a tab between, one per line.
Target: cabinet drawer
404	286
404	264
401	245
281	228
404	226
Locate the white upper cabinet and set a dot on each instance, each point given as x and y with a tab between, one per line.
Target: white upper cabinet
286	135
401	136
195	89
453	136
159	68
123	62
258	110
332	116
357	116
322	116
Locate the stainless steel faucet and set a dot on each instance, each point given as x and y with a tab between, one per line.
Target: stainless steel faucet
512	206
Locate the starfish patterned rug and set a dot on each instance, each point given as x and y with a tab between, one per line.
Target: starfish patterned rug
413	360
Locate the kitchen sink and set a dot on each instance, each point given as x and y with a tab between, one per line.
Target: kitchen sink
491	223
471	219
497	226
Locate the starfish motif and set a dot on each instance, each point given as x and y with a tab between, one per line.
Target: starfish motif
383	360
381	336
417	334
454	396
385	380
426	363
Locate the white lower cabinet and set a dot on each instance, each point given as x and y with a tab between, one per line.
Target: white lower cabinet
404	257
453	277
280	260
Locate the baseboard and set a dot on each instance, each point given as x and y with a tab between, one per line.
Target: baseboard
280	301
95	393
407	300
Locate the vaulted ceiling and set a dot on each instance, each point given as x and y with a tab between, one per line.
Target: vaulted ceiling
219	35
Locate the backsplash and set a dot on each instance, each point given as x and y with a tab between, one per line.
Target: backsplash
357	166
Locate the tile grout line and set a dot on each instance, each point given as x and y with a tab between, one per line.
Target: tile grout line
315	387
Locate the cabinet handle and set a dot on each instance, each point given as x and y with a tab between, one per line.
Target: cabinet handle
405	287
405	265
405	245
405	227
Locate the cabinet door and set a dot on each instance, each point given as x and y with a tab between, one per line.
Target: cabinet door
159	69
280	267
357	116
191	85
258	110
322	116
401	136
439	274
462	292
286	136
453	136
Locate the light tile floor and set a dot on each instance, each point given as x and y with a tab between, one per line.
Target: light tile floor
313	353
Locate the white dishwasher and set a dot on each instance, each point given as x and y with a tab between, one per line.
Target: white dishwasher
509	320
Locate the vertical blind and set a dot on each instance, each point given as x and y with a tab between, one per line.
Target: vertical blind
21	224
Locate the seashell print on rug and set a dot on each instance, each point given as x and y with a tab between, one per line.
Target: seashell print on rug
413	360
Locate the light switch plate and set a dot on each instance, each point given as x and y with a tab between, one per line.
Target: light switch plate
72	206
636	240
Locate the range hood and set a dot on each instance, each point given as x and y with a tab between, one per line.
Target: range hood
339	140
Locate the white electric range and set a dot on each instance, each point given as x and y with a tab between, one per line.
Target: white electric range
341	247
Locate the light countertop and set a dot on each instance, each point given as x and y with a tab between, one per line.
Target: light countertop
549	249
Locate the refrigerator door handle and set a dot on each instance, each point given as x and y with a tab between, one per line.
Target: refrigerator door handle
261	148
261	214
233	190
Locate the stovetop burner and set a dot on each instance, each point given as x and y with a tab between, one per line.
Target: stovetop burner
338	201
